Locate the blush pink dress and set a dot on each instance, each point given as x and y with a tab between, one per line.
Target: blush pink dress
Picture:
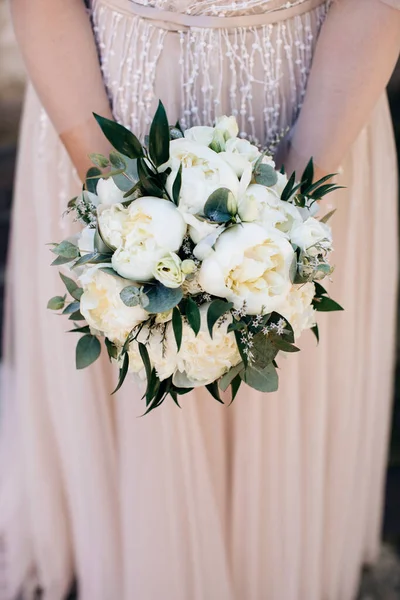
278	497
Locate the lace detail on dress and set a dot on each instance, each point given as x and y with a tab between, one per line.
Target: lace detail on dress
220	8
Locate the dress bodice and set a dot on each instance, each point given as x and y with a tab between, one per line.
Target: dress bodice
220	8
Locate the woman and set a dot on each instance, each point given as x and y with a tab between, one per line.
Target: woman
278	497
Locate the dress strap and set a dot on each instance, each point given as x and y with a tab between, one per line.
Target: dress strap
175	21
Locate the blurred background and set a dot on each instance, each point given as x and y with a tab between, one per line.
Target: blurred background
380	583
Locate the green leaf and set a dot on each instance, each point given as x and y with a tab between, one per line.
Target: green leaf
87	351
263	380
315	331
77	316
193	315
325	304
325	189
176	188
264	350
71	308
288	334
146	360
112	349
307	177
319	289
109	271
121	138
175	133
283	345
266	175
99	160
241	347
227	379
214	391
326	218
93	258
56	303
72	287
85	329
122	372
66	250
159	137
174	397
92	177
287	190
182	391
177	326
130	295
236	326
318	183
148	181
235	385
216	309
127	180
117	161
293	269
161	298
153	385
220	206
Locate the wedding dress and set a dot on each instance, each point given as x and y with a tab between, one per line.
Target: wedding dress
278	497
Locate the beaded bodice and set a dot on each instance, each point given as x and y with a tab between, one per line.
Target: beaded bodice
220	8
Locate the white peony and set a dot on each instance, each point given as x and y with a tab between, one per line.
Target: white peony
102	306
143	233
249	265
202	359
108	192
312	237
203	234
86	240
201	135
261	205
239	153
168	271
203	171
228	126
297	309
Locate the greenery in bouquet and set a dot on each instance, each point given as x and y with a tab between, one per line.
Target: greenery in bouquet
198	262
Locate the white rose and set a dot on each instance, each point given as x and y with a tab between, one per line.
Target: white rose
203	171
102	306
249	265
202	360
312	237
144	232
261	205
108	192
201	135
239	153
168	271
297	309
86	240
228	126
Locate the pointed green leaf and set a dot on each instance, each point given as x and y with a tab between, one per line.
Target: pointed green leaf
87	351
326	218
71	308
307	177
193	315
214	391
227	379
161	298
287	190
324	304
66	250
112	349
177	326
235	385
121	138
216	310
72	287
176	188
159	137
315	331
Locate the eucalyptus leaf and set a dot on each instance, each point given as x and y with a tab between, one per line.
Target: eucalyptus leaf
264	350
77	316
227	379
129	178
177	326
216	310
193	315
109	271
56	303
99	160
159	137
72	287
121	138
175	133
130	295
117	161
161	298
93	258
87	351
66	250
263	380
284	346
71	308
220	206
266	175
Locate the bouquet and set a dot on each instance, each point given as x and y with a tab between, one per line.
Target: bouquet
197	262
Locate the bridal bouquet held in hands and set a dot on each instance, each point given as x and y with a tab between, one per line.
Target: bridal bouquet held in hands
197	263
